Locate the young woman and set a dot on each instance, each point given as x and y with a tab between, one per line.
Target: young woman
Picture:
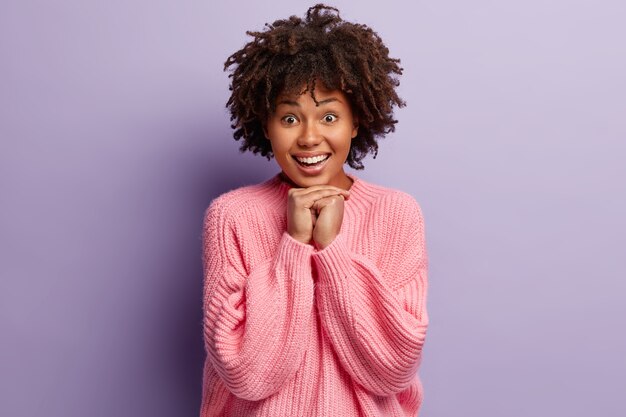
315	281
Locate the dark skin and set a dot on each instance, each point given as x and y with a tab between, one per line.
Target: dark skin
315	213
300	126
321	48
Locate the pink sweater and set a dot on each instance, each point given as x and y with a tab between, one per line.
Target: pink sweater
291	331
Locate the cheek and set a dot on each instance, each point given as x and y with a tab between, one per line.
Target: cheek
280	146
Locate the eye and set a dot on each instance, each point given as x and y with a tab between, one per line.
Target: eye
329	118
289	119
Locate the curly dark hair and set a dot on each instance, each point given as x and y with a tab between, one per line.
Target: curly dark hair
295	52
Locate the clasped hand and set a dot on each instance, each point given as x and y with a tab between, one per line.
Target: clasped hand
315	213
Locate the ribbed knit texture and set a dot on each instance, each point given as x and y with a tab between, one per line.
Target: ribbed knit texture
292	331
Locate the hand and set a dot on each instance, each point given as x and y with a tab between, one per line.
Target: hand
329	218
304	208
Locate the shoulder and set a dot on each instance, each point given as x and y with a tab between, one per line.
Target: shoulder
230	202
394	204
241	203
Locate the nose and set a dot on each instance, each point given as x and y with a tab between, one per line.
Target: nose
310	135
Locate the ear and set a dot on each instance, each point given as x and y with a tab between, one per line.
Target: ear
355	128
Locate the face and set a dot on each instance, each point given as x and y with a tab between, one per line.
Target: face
311	143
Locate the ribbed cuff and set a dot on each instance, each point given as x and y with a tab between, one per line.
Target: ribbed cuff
334	260
294	253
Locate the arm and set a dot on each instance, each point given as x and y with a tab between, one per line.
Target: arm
254	321
376	318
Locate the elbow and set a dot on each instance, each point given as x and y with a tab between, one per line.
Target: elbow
252	392
253	383
391	382
392	376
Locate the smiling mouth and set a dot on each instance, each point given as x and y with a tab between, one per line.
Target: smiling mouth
311	162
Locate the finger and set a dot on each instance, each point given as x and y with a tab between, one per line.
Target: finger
318	188
321	200
326	201
307	200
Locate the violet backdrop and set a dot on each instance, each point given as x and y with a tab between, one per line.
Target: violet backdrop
115	138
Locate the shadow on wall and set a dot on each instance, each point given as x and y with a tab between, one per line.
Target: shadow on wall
204	176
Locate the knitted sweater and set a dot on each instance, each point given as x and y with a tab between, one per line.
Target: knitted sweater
293	331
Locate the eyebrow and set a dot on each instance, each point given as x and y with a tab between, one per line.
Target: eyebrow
295	103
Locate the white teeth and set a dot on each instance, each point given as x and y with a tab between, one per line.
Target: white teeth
313	160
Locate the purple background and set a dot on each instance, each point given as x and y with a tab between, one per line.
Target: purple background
114	139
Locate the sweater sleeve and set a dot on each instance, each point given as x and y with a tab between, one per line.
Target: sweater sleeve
254	321
376	318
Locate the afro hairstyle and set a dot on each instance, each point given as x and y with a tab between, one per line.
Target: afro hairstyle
291	53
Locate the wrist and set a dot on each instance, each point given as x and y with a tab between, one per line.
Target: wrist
323	243
300	238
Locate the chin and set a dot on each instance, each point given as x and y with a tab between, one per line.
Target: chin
313	181
305	182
